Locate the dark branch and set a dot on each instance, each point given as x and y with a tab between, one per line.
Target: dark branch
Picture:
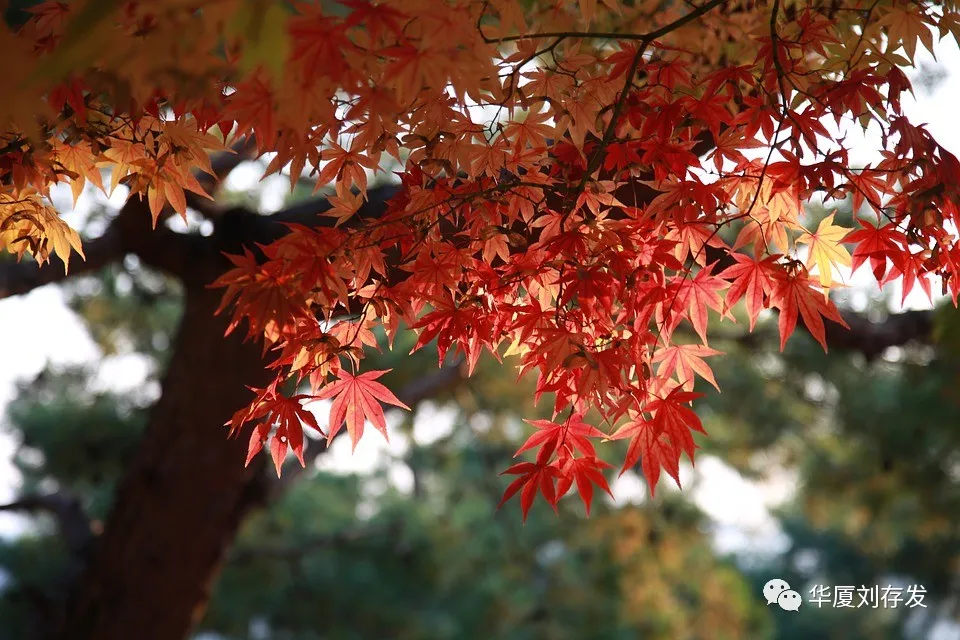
865	336
177	254
433	385
643	37
873	338
72	522
17	278
311	212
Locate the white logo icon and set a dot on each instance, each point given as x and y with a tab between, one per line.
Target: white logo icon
778	591
790	600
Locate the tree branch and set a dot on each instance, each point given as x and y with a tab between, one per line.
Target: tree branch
179	254
17	278
72	521
873	338
311	212
865	336
130	232
643	37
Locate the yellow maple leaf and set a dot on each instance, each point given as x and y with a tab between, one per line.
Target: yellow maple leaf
183	140
906	27
122	155
81	164
28	225
826	249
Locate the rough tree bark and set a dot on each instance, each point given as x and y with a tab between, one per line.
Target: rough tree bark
184	495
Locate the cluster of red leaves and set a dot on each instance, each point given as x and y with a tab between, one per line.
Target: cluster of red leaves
567	198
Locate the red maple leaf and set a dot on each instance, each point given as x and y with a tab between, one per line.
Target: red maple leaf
751	280
878	244
532	477
551	436
796	296
585	472
685	360
357	399
673	417
652	449
699	294
287	414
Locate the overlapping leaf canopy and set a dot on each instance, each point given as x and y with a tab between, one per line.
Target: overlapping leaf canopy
578	181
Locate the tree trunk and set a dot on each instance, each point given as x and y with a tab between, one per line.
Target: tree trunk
184	495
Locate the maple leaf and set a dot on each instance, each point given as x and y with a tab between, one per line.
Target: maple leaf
532	131
259	291
533	478
123	154
751	281
585	472
357	399
730	145
866	185
905	27
699	294
348	168
450	323
673	417
80	161
878	245
912	267
795	296
343	207
287	414
550	436
826	250
621	156
683	361
649	446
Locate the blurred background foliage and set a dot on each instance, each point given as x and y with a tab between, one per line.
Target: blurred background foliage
868	446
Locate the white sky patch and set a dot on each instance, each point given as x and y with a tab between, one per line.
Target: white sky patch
431	423
126	372
629	488
245	177
372	452
38	328
740	508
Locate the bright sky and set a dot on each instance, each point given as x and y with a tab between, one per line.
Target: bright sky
44	329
